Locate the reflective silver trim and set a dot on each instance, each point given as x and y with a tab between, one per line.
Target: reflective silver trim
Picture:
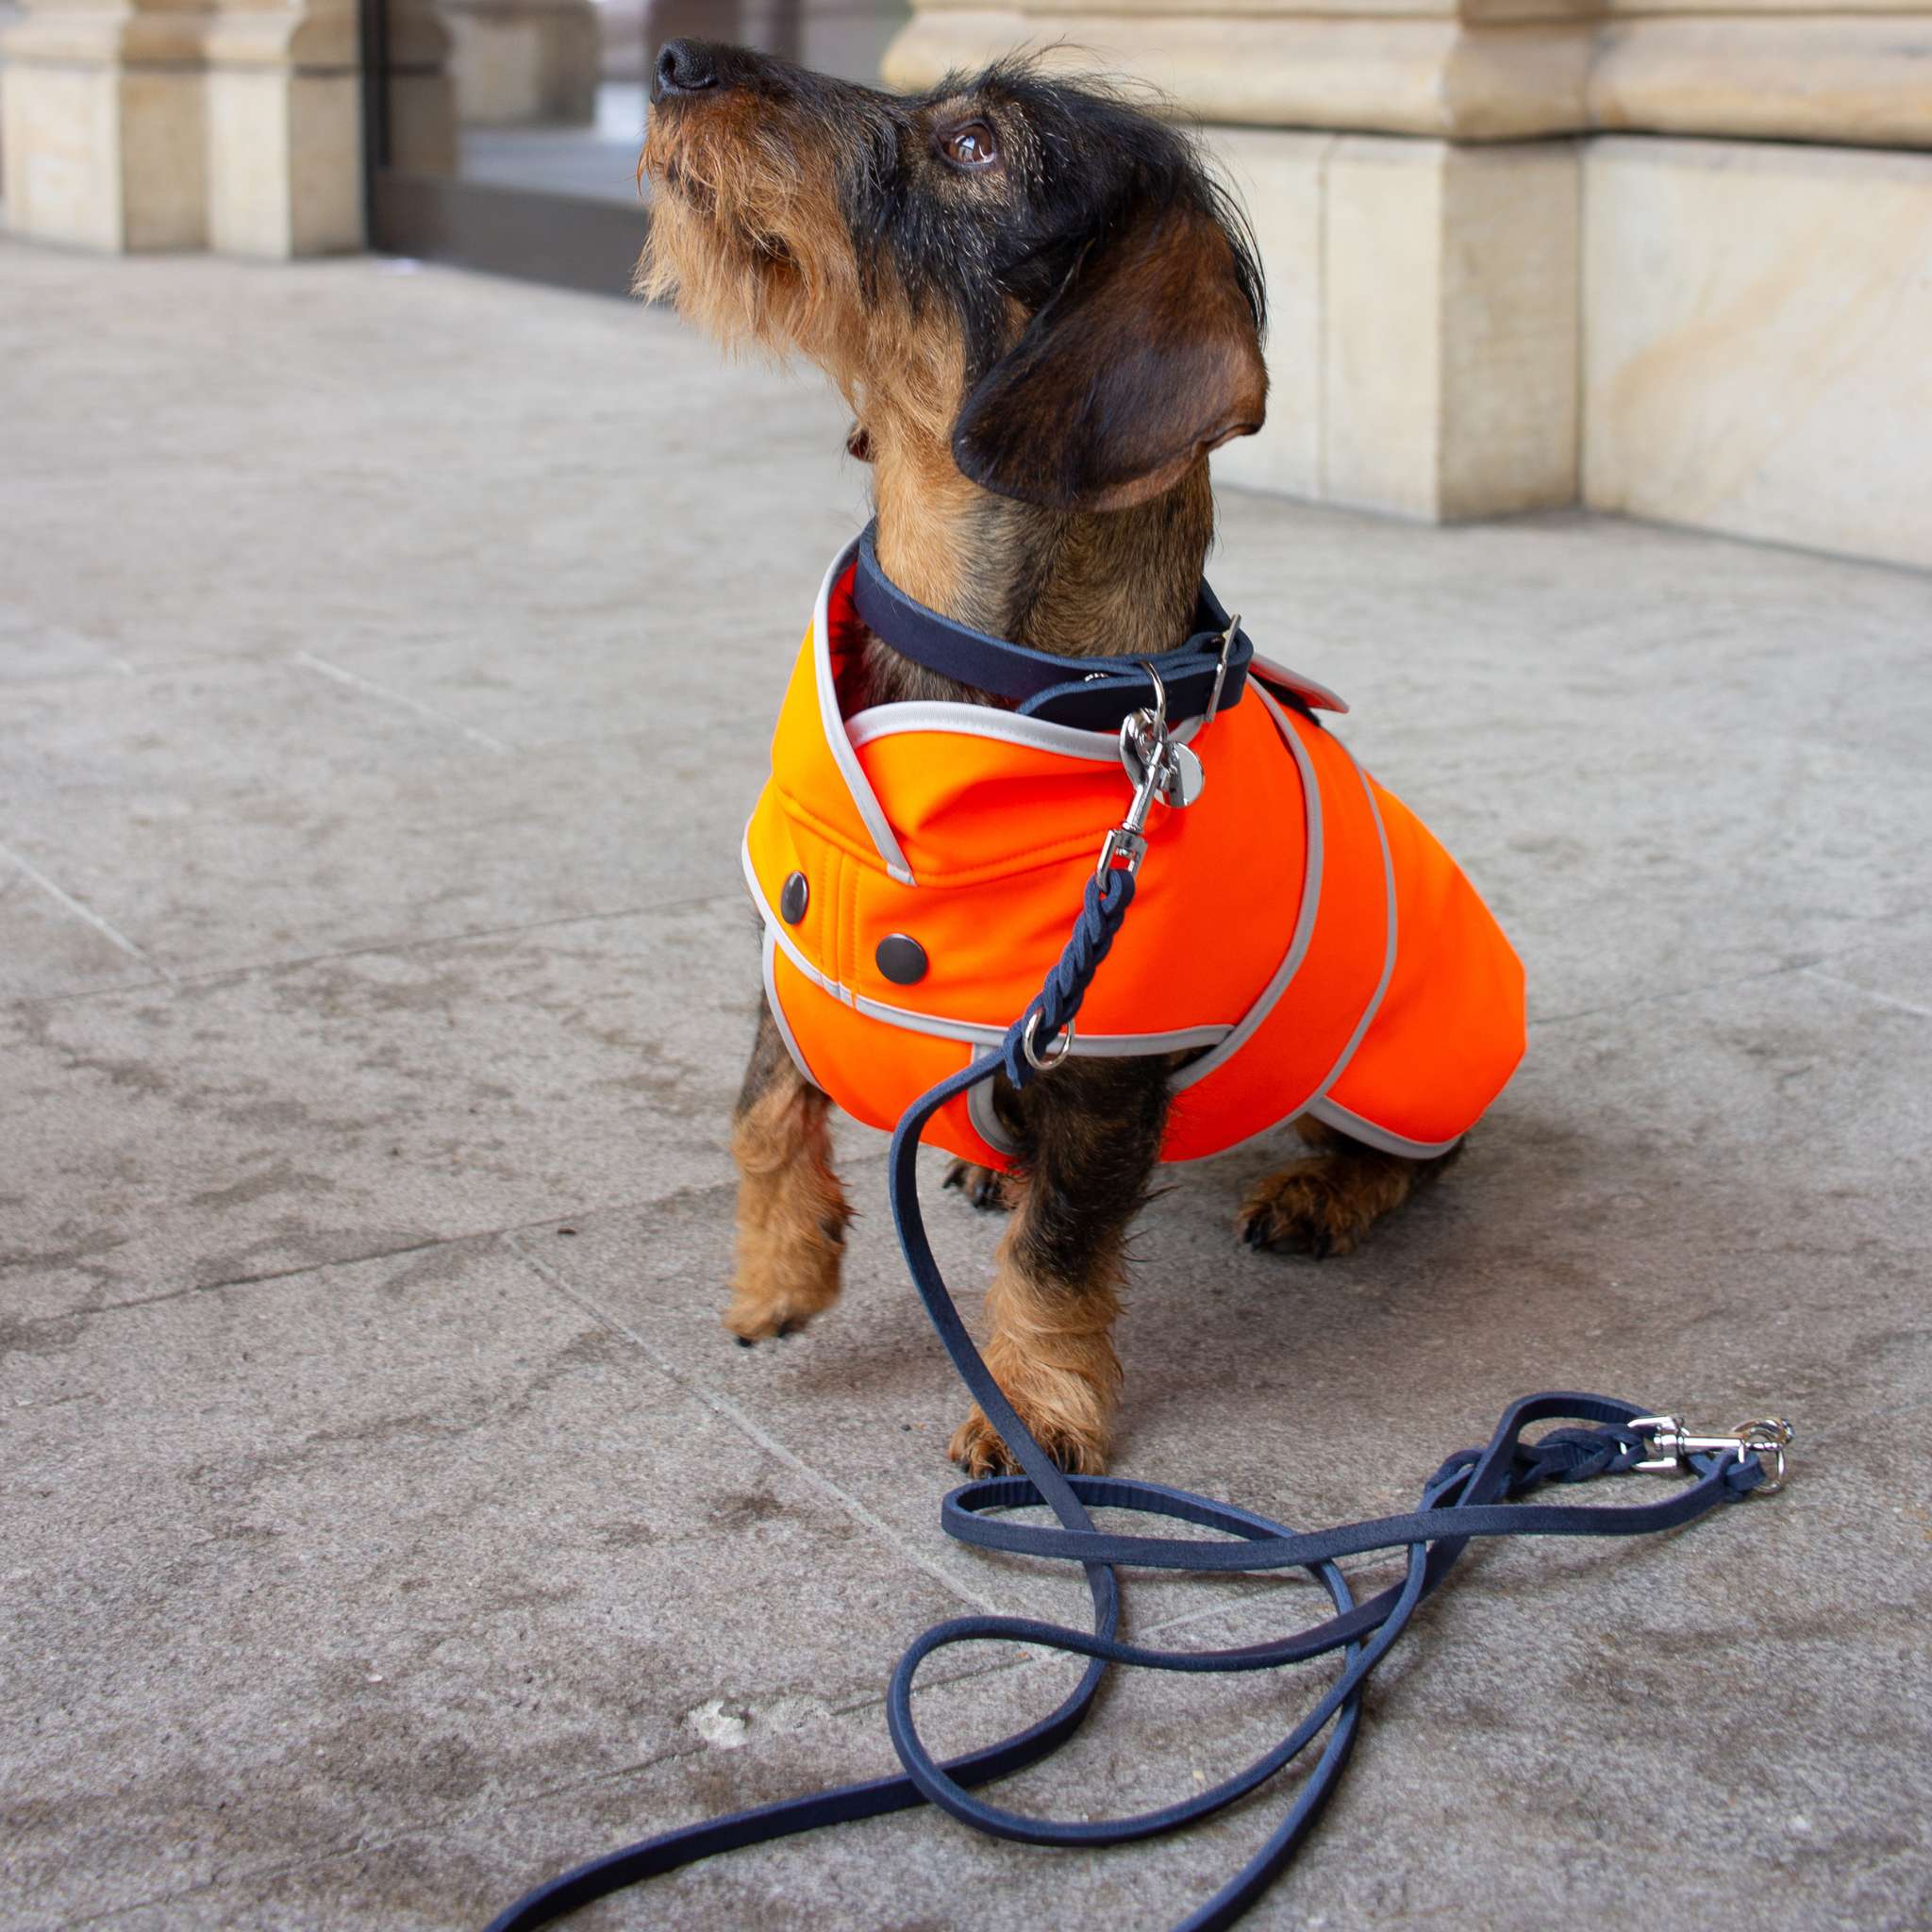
1315	696
876	822
775	932
1103	1046
1245	1026
777	1007
986	1121
1331	1114
1375	1005
1368	1012
981	721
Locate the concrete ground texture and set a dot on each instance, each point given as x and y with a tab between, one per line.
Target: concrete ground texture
387	660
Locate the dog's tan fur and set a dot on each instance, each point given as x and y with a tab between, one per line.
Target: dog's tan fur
1052	1353
792	1210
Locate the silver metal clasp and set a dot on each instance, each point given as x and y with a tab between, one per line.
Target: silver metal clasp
1157	767
1767	1439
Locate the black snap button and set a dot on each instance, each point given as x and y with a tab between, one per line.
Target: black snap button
793	897
901	959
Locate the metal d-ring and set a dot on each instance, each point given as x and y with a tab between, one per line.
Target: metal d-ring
1159	697
1034	1060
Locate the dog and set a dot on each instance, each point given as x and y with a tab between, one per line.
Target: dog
1045	314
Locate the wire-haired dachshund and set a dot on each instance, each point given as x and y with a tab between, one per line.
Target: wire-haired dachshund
1044	314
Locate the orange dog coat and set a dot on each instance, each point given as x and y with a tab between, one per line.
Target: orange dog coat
1296	928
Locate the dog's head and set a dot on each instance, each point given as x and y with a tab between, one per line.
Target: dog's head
1022	275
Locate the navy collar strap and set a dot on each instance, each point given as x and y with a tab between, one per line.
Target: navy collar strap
1092	694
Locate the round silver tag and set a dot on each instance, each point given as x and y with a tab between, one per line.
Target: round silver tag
1185	776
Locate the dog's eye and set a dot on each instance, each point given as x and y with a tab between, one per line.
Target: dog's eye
972	144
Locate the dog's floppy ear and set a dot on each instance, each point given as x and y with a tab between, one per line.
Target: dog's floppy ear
1147	356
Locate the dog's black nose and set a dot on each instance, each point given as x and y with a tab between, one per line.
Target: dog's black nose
684	67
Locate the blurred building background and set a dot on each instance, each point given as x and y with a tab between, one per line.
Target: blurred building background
1671	258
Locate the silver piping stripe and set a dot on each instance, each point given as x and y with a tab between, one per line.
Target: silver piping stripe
1100	1045
1334	1072
1305	916
777	1007
1318	695
981	721
1007	727
985	1123
1375	1005
1331	1113
883	836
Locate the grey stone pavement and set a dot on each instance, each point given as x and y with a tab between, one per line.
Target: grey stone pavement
385	1519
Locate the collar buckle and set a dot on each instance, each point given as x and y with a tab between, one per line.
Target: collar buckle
1234	624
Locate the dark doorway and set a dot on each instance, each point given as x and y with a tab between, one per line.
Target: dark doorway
503	134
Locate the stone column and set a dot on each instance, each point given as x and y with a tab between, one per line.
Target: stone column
159	124
1494	287
519	63
102	109
421	133
284	127
1757	274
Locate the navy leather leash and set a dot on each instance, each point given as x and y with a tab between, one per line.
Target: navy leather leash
1474	1493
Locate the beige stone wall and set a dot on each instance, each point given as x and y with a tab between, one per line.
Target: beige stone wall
1757	340
1422	326
1481	70
524	62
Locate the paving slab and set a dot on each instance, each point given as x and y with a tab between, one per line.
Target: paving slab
386	666
31	650
337	818
357	1548
53	946
451	455
1614	1804
865	1395
263	1123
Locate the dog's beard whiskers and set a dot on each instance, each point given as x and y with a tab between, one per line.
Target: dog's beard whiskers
761	273
737	240
764	253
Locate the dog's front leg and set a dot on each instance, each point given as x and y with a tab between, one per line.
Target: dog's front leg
1090	1133
791	1211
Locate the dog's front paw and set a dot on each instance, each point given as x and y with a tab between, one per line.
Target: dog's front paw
778	1294
985	1187
977	1449
1317	1207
